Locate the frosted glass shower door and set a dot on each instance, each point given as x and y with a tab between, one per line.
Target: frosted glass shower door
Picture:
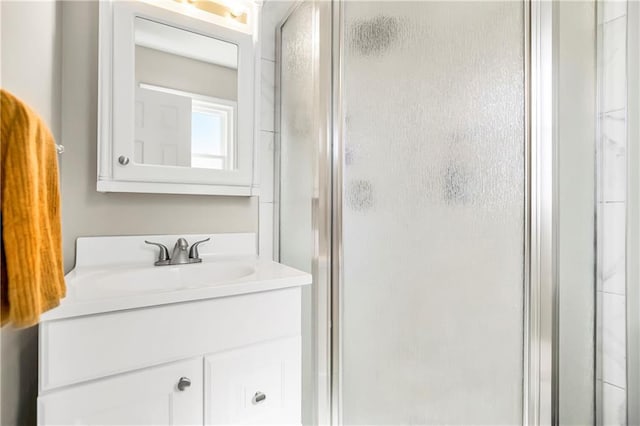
433	219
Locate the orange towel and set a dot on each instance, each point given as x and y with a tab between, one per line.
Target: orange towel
31	250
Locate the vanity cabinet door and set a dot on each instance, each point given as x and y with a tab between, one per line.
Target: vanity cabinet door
153	396
259	384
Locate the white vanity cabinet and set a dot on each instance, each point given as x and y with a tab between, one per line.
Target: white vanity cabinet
241	355
259	384
216	342
145	397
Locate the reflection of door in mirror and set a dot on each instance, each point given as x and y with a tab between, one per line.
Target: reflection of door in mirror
162	128
186	98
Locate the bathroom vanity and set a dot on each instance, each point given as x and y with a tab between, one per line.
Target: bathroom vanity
217	342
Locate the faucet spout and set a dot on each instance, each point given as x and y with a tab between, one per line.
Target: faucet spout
180	253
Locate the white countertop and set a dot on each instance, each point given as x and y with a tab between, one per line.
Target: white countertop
268	275
99	287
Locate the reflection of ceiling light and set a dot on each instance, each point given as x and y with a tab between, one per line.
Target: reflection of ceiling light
236	10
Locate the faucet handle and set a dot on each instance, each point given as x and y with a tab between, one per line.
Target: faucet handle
163	256
193	251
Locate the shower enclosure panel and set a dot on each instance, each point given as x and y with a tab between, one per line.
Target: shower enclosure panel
433	212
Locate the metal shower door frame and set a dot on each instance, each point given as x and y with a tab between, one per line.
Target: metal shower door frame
322	197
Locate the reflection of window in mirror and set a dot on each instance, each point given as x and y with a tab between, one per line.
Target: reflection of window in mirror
209	136
186	98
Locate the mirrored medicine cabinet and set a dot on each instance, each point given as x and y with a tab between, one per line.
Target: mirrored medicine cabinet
176	90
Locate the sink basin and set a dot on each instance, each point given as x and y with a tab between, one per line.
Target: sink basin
204	274
122	281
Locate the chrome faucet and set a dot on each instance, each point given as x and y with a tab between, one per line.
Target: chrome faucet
179	256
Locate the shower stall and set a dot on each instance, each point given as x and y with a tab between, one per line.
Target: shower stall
425	153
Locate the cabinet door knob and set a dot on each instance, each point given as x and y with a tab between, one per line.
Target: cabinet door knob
123	160
183	383
259	397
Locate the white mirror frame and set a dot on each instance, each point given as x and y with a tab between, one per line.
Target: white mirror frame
116	92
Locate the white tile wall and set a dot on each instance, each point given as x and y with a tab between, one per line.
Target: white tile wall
598	344
614	152
614	405
267	103
611	327
266	155
614	9
612	242
614	64
273	12
613	340
266	167
265	246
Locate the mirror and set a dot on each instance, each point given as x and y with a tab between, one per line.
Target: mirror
177	92
186	95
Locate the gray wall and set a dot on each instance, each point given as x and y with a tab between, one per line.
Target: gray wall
159	68
61	83
87	212
30	58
